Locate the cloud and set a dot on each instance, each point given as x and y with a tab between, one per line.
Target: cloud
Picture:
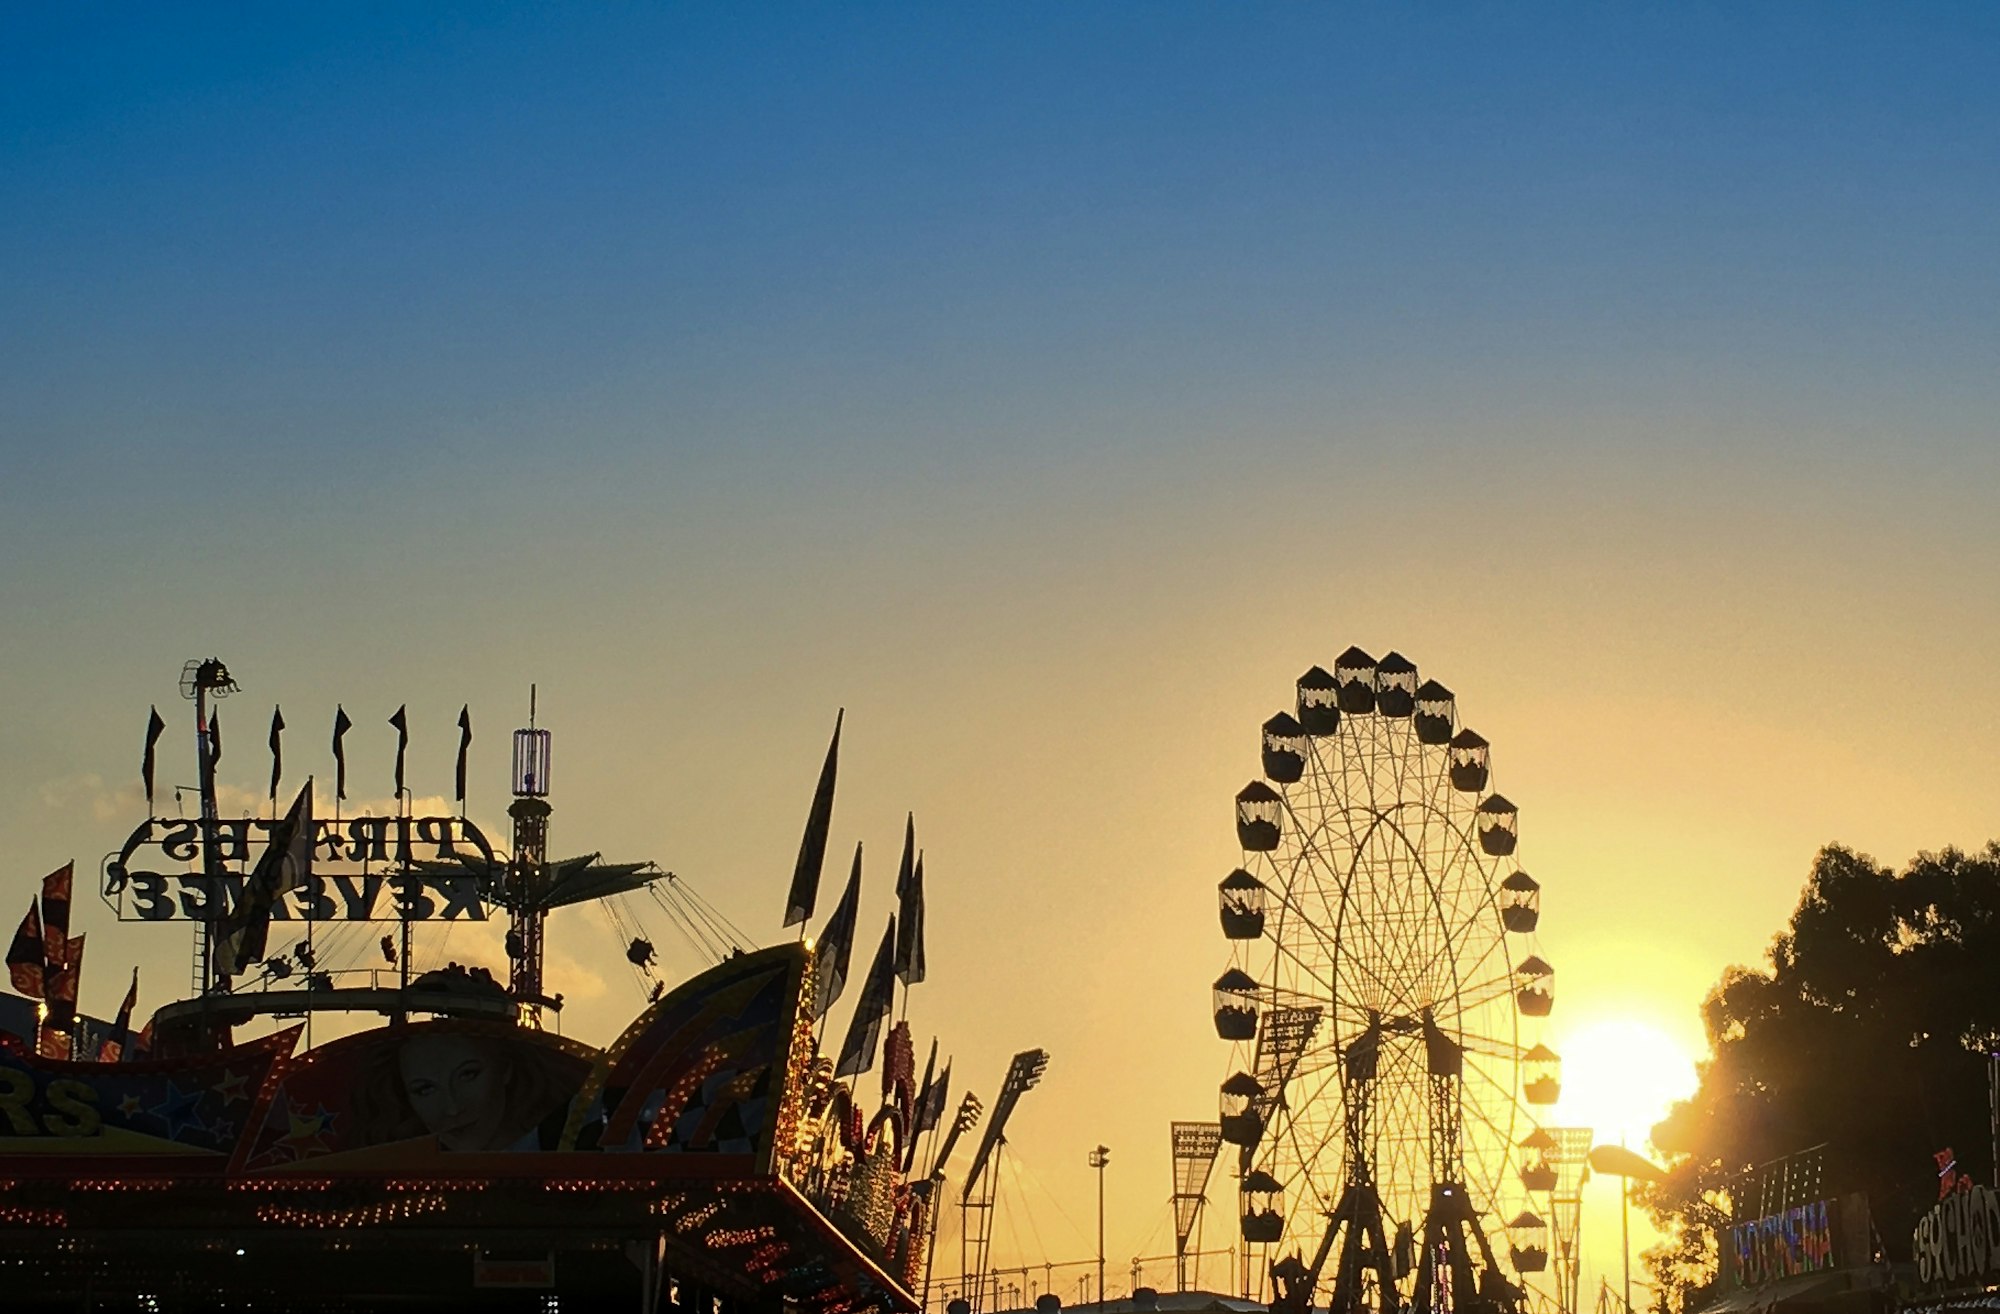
87	792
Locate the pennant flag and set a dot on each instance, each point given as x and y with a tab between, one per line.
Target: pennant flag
464	746
905	870
27	955
930	1076
143	1047
402	725
284	865
121	1030
804	894
61	1020
836	944
56	888
277	753
910	929
917	1109
154	728
930	1109
215	738
864	1029
341	725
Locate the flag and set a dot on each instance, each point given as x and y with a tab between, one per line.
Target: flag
56	889
284	865
464	745
910	928
905	870
924	1087
341	725
121	1030
836	944
402	725
27	955
215	739
917	1108
804	894
277	753
154	728
143	1047
930	1109
61	1020
864	1029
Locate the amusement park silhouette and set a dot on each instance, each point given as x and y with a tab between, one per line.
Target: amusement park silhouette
853	658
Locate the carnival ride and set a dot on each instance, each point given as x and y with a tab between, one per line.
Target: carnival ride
1383	980
711	1147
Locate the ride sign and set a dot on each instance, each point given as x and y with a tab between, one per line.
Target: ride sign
355	861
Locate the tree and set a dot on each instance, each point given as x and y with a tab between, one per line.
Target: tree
1867	1033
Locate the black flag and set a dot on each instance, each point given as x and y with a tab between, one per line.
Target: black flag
215	738
464	745
836	944
285	865
277	753
930	1111
113	1049
402	725
812	849
864	1029
924	1090
905	868
910	929
154	727
341	725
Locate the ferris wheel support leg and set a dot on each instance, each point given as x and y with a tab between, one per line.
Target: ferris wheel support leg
1459	1288
1364	1251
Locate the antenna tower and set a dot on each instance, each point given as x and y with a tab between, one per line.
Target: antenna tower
527	873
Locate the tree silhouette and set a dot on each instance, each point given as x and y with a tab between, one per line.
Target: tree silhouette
1868	1034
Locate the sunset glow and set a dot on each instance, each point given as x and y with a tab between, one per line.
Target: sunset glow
1619	1078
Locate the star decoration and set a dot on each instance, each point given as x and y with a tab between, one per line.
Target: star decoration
308	1132
178	1111
130	1106
231	1086
305	1135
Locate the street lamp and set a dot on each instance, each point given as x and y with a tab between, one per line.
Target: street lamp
1098	1158
1617	1161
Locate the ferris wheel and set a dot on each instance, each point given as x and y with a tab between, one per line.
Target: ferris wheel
1383	986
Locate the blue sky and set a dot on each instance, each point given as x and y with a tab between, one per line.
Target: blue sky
1048	385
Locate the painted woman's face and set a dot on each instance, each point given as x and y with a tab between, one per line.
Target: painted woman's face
458	1089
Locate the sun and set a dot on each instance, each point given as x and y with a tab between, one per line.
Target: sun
1619	1077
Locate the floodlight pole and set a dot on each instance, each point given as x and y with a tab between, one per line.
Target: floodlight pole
1099	1157
1625	1231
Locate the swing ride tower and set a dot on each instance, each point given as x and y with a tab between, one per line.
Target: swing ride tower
523	888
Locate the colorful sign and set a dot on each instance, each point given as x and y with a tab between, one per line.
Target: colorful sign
1783	1245
171	1108
1958	1241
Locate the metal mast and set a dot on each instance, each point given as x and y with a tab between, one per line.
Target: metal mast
1022	1075
200	682
527	873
